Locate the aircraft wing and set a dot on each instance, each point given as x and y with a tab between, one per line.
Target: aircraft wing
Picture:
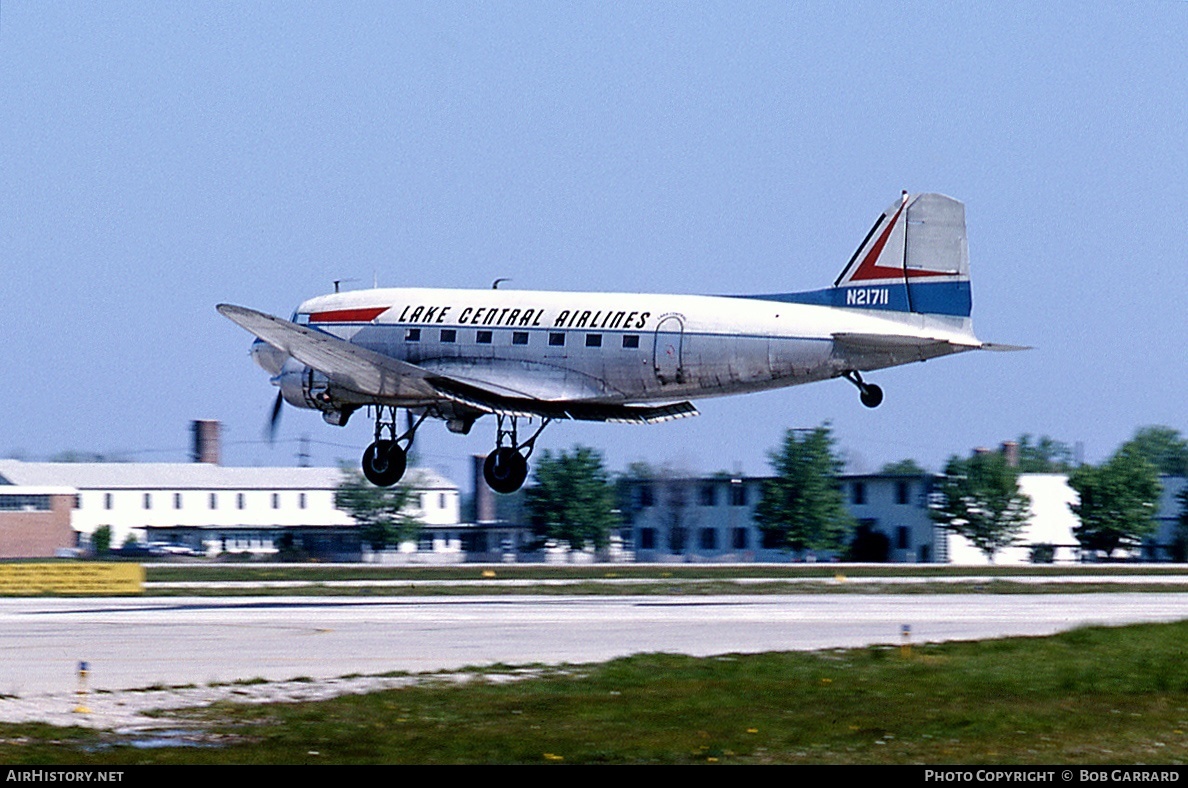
371	373
346	364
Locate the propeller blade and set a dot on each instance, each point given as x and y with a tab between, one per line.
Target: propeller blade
274	419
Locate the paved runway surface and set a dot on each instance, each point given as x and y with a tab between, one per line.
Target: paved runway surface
140	642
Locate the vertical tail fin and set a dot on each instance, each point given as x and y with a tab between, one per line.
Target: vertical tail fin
914	259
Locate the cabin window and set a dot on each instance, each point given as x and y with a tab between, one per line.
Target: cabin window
412	335
275	500
449	335
239	501
593	340
214	501
631	340
301	501
106	500
148	500
177	500
483	337
557	338
519	337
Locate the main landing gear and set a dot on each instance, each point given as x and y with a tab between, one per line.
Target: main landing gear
506	468
870	394
384	461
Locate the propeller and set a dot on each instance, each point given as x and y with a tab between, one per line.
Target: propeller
274	419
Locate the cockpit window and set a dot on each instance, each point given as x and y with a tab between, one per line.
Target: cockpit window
301	318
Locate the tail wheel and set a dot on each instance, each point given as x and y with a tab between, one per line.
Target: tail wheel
505	470
384	463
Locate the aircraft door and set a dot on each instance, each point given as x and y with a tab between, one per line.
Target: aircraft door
667	350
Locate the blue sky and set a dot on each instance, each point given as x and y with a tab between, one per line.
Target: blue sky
159	158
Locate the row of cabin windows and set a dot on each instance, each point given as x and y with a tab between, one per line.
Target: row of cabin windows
212	501
556	338
902	493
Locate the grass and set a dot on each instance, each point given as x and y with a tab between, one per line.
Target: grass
1094	695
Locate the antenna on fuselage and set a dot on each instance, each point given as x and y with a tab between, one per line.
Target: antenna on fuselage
337	282
495	284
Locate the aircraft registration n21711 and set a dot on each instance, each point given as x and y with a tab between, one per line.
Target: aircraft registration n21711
458	355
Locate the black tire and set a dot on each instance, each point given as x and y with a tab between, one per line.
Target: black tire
872	396
505	470
384	463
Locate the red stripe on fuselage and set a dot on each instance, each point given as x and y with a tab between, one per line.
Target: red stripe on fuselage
365	315
870	268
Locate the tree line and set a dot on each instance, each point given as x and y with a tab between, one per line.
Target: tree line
573	499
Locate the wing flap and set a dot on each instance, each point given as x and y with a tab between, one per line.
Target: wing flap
493	402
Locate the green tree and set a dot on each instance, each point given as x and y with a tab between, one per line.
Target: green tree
382	513
1118	501
101	540
1043	455
903	468
1163	447
802	508
979	498
571	498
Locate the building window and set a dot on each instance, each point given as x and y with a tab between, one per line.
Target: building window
519	337
631	340
412	335
556	338
425	542
740	538
214	500
902	492
148	500
276	500
709	494
25	503
647	538
646	498
738	494
239	500
301	501
858	493
593	340
709	538
177	500
483	337
449	335
902	538
441	500
106	500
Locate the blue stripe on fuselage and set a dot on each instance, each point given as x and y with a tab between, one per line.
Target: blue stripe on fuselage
934	298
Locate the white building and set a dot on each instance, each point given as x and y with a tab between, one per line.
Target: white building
214	508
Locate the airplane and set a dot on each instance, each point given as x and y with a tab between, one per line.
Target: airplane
459	355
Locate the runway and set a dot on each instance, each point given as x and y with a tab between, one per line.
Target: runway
135	643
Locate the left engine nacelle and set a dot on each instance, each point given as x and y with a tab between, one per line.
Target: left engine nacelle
303	387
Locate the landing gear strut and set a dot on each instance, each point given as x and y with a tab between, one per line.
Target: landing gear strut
870	394
506	468
384	460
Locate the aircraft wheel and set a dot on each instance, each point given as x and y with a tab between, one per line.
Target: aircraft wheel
383	463
871	395
505	470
